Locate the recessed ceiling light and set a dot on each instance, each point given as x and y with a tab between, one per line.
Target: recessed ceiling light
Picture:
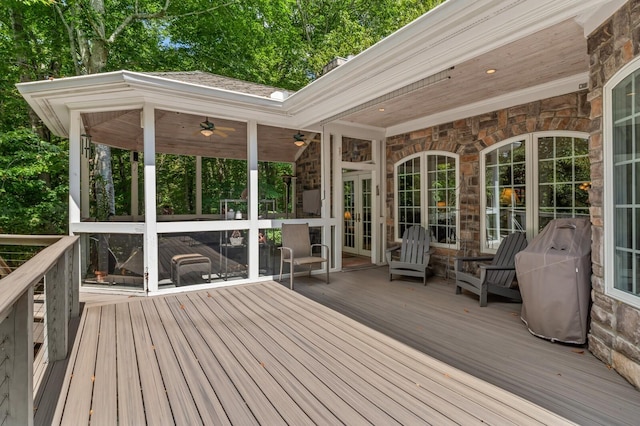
381	109
491	71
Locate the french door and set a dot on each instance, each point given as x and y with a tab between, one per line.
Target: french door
357	221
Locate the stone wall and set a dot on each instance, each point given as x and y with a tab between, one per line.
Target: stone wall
467	137
615	327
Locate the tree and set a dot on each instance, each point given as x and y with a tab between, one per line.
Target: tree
33	184
284	43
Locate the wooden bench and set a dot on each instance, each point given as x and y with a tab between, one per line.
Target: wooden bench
180	262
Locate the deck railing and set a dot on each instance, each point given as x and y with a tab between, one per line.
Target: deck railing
57	264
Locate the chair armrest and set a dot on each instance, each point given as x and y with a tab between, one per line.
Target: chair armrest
474	259
388	252
320	245
286	250
498	267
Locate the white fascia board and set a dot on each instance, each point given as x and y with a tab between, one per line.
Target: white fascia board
446	36
591	19
53	99
520	97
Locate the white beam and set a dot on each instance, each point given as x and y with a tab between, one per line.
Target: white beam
151	232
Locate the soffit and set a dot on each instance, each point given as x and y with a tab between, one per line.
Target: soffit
179	133
548	55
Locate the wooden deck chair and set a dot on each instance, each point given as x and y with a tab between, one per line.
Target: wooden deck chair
414	254
496	277
297	250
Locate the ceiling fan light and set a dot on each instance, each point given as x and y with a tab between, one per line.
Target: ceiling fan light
299	143
206	132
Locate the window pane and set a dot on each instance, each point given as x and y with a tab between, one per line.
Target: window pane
563	178
408	195
441	184
545	148
505	194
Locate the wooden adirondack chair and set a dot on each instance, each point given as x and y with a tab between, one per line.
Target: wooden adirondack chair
414	254
496	277
297	249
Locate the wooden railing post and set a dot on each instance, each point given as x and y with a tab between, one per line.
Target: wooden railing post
16	362
56	288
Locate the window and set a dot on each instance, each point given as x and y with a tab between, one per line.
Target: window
532	179
428	179
408	195
622	187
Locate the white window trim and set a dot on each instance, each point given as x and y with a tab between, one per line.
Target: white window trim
531	179
608	199
397	238
424	211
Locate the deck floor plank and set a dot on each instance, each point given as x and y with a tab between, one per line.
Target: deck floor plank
78	401
130	402
183	407
431	382
320	399
490	343
232	403
105	383
208	406
262	354
156	402
328	360
244	372
269	389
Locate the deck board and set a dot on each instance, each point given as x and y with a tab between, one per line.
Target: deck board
490	343
131	405
262	354
105	383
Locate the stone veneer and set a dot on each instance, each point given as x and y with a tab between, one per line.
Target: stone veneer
469	136
614	336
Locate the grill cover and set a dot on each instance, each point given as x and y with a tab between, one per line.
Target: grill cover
554	276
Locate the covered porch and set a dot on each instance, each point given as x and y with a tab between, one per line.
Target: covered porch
235	354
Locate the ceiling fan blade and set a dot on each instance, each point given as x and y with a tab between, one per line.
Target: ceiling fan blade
220	133
226	129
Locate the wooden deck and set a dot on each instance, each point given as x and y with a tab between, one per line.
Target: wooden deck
490	343
262	354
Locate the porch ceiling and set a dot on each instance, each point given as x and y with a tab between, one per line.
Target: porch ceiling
179	133
547	56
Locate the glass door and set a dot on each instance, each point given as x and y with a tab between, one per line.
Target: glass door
358	228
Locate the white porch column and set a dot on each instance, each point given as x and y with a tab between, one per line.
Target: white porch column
336	164
198	185
135	197
74	167
252	199
150	225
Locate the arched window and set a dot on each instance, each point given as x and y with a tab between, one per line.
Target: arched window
427	194
529	180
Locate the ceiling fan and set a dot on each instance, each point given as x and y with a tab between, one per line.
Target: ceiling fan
207	128
298	139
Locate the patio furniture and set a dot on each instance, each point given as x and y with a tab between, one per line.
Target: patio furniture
496	277
188	261
297	250
414	254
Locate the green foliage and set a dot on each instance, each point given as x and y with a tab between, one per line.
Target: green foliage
283	43
33	185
